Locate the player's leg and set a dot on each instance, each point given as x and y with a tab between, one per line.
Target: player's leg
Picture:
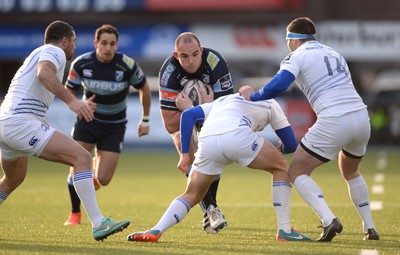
303	163
60	148
198	184
358	191
75	214
208	203
349	161
271	160
107	162
108	149
14	172
84	134
321	144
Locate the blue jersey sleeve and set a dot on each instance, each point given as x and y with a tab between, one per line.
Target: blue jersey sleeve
189	117
289	142
279	83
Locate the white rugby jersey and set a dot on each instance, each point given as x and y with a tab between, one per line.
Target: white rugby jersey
26	94
324	77
230	112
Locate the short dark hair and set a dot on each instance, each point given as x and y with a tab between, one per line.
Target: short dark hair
106	28
186	37
302	25
57	30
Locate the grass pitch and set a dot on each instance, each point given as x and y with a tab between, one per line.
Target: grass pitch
31	220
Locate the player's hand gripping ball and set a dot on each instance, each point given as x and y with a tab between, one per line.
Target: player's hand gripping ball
192	88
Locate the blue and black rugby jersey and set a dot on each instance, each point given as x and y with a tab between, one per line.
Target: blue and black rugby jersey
109	81
213	71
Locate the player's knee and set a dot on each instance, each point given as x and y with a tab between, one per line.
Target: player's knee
104	180
293	175
10	184
83	161
193	198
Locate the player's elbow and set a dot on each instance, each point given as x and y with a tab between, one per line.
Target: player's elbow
290	148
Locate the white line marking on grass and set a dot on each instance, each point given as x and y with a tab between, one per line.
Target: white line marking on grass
369	252
381	163
376	205
379	178
377	189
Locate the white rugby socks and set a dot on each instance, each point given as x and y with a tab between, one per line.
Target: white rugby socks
312	194
281	197
176	211
83	183
358	191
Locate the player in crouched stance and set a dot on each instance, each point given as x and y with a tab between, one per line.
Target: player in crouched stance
231	119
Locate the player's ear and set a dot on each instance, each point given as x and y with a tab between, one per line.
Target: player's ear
175	54
65	41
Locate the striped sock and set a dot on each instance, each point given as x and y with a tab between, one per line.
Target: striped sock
83	182
3	196
175	213
281	198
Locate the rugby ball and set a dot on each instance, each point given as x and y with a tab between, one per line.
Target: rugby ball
193	92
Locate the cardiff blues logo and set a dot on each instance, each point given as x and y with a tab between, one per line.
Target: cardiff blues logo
119	75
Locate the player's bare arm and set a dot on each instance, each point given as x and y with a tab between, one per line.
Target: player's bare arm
171	120
145	99
46	73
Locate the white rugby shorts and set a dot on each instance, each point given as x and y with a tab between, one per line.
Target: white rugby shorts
214	152
329	135
23	136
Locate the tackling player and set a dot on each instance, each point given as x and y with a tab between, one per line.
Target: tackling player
342	125
190	60
227	119
24	131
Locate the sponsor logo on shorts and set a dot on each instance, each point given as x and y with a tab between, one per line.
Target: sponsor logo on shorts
33	141
45	127
254	146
